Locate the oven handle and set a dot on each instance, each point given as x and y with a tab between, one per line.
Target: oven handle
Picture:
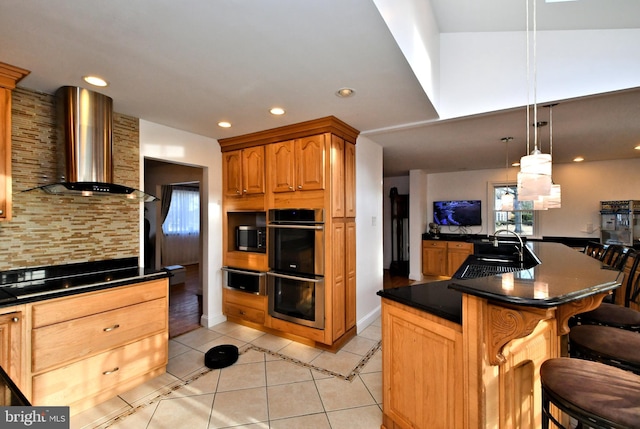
316	227
305	279
251	273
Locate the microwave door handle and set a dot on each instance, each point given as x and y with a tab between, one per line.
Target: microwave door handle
304	279
250	273
315	227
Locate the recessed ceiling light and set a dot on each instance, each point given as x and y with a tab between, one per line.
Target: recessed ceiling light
637	147
224	124
345	92
95	81
277	111
578	159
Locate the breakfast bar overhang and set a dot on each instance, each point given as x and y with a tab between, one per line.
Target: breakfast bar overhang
467	353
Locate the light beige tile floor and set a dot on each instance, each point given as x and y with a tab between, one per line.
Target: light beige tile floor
261	390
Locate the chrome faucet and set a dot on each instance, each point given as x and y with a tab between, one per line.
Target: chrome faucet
519	249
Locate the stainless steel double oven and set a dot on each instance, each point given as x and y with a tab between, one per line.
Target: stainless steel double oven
296	260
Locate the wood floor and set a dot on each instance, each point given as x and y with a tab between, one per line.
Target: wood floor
184	309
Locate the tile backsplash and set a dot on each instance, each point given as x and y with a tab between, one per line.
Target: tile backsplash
50	230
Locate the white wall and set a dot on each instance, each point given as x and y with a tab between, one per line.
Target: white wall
369	223
172	145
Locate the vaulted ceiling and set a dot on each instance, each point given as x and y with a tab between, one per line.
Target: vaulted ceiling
437	83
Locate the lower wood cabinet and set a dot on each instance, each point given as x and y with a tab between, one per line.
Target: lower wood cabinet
422	377
443	258
11	342
90	347
244	306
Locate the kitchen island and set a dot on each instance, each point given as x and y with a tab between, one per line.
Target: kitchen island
106	320
466	353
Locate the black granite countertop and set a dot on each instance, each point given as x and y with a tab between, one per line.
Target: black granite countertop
31	284
563	275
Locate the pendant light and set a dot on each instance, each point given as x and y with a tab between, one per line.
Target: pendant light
554	200
507	199
534	178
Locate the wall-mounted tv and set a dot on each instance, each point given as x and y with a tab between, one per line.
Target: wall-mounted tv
457	212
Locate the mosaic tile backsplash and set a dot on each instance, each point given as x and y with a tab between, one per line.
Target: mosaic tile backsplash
50	230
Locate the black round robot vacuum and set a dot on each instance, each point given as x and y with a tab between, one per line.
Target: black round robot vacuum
221	356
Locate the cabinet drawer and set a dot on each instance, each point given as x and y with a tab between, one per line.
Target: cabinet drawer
88	377
460	246
245	299
434	244
63	309
56	344
246	313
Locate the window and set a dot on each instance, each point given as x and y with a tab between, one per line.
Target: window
521	219
184	213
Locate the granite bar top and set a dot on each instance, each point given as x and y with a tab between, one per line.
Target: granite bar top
31	284
563	275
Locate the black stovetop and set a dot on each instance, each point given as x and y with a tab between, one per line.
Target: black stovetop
37	282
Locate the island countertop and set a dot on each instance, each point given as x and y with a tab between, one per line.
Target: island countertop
564	275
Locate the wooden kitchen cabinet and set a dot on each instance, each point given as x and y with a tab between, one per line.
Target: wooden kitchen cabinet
9	76
244	306
457	253
243	172
116	338
298	165
443	258
418	394
343	178
434	258
308	165
11	343
349	179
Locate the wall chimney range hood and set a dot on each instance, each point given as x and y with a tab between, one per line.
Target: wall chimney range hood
84	151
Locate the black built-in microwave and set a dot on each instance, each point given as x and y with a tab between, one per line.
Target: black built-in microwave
251	238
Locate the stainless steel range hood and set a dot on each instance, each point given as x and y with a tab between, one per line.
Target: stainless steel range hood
84	152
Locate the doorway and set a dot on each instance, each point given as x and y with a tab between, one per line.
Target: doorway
185	298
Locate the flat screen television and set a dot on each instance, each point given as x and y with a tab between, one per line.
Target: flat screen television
457	212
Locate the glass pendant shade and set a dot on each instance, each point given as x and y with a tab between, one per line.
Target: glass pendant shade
531	186
554	200
536	163
507	202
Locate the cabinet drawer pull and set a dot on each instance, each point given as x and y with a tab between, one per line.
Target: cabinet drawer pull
242	312
299	186
15	319
112	371
111	328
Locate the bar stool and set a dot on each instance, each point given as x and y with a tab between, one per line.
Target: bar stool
595	394
595	249
619	316
604	344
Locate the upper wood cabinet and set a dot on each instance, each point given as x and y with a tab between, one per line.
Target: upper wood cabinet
298	165
9	76
243	172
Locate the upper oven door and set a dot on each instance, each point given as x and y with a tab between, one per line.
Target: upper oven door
296	241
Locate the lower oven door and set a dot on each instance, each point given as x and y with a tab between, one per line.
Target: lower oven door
297	299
